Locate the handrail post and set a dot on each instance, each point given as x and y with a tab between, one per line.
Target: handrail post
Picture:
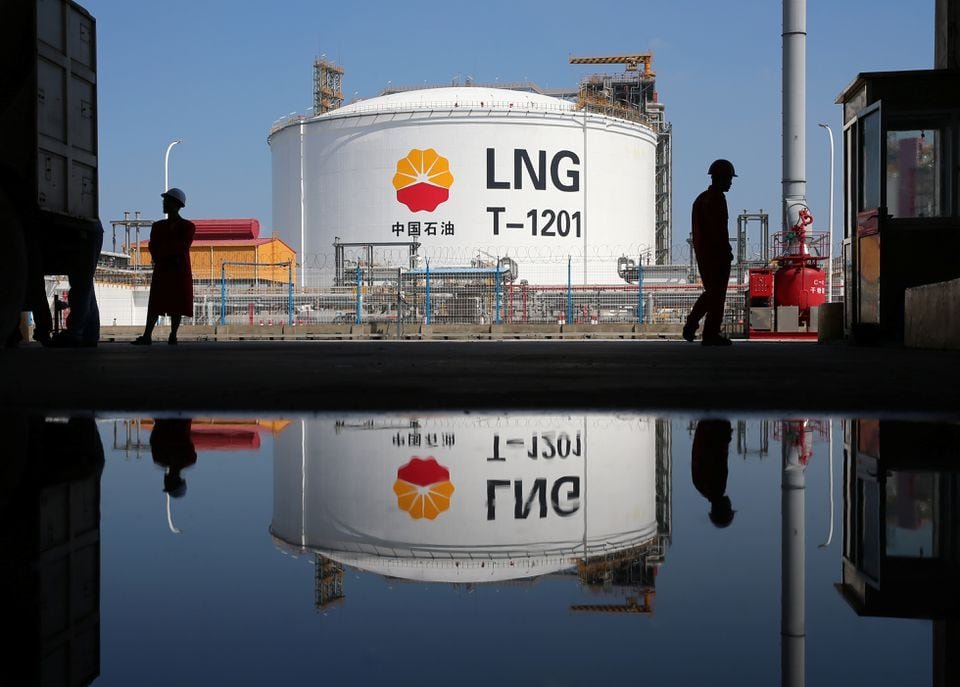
639	309
569	290
640	290
223	293
290	291
428	294
496	318
359	319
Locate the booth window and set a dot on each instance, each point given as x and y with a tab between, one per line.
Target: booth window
914	173
868	505
870	161
912	514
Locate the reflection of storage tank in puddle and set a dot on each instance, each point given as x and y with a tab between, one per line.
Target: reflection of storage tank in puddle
471	499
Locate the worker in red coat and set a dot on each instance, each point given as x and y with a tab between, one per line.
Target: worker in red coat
171	289
711	243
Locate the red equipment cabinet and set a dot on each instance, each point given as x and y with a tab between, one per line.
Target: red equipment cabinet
760	302
761	285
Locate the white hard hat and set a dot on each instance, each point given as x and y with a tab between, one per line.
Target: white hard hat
176	194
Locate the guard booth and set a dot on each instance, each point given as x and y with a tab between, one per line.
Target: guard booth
901	149
901	529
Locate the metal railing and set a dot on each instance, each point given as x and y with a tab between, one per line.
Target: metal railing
458	296
384	288
249	275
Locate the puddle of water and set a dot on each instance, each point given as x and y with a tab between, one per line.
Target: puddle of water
486	548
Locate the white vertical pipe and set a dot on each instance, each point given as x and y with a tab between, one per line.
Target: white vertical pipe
830	248
302	215
173	528
792	561
166	166
583	182
794	106
830	487
303	483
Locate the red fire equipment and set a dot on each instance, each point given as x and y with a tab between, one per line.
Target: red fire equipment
798	281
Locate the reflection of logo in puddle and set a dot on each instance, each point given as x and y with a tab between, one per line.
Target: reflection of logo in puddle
423	180
423	488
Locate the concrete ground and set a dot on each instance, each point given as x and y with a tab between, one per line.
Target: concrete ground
281	376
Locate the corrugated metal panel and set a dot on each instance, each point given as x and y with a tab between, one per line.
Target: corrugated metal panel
48	105
226	229
230	242
276	251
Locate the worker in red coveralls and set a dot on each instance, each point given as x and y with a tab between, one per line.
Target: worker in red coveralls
171	289
708	465
711	243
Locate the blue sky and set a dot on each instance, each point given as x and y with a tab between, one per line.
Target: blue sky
217	74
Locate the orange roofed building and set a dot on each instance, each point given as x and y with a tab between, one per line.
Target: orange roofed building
233	241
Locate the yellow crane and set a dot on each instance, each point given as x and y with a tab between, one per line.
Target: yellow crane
632	605
632	62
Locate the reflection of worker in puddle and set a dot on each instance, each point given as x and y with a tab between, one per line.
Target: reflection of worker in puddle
708	463
172	448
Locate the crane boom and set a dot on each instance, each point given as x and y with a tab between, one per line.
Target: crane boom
632	62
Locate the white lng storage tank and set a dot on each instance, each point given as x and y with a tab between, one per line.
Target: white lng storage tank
471	499
467	171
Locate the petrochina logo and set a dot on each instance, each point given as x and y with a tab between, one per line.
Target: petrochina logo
423	488
423	180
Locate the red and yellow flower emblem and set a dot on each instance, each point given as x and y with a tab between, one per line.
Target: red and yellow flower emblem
423	180
423	488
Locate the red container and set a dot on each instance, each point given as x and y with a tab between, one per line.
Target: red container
801	286
761	283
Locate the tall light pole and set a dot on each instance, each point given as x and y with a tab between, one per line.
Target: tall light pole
830	248
166	166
